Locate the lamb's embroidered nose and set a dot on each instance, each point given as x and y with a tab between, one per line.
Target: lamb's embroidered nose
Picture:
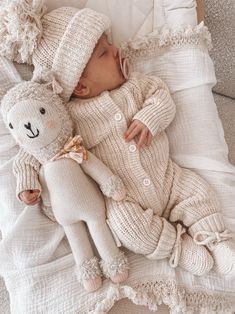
28	126
34	134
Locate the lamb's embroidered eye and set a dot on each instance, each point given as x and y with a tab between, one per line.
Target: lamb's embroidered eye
10	126
42	110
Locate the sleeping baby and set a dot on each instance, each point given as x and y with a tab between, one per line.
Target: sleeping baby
168	212
122	121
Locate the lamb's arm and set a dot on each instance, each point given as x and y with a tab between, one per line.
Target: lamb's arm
110	184
26	169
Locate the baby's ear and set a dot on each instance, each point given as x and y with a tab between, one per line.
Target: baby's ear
82	89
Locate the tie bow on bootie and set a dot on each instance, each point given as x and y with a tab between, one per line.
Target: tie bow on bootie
211	238
174	259
222	248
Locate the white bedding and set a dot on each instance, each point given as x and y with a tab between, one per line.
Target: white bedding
35	259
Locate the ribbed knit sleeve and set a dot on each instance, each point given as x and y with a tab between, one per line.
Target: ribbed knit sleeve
26	169
158	108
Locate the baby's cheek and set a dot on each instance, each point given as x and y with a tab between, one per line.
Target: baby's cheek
51	124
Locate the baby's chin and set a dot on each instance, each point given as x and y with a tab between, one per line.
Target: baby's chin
122	79
118	83
110	85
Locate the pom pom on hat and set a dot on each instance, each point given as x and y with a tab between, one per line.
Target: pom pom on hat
20	28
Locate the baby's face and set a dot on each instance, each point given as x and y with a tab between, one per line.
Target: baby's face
103	71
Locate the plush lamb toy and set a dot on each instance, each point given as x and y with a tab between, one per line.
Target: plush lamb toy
38	120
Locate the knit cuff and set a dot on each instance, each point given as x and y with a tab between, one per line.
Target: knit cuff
157	113
166	241
28	180
148	118
211	223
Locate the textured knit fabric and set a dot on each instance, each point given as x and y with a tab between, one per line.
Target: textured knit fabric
69	37
157	189
28	178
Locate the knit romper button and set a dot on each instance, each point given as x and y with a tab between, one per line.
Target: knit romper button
146	182
132	148
118	116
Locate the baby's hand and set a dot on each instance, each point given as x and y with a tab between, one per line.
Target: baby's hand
140	130
30	197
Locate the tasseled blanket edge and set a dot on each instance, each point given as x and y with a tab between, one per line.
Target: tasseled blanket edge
165	38
177	298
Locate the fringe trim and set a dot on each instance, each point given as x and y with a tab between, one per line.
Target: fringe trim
179	300
115	266
166	38
88	269
114	188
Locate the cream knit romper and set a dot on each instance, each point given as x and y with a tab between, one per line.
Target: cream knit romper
159	192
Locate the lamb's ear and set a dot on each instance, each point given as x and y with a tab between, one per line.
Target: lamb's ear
57	88
42	75
47	77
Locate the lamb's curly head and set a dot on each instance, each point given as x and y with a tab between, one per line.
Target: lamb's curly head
35	115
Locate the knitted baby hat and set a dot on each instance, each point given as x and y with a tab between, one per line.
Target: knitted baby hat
60	41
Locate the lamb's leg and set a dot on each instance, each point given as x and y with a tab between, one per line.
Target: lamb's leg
88	270
73	194
114	263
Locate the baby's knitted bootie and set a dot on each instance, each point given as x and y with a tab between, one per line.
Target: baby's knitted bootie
211	232
223	253
116	269
89	274
189	256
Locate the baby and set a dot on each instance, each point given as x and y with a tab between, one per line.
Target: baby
122	121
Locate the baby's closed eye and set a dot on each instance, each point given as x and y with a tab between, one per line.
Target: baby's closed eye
103	52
